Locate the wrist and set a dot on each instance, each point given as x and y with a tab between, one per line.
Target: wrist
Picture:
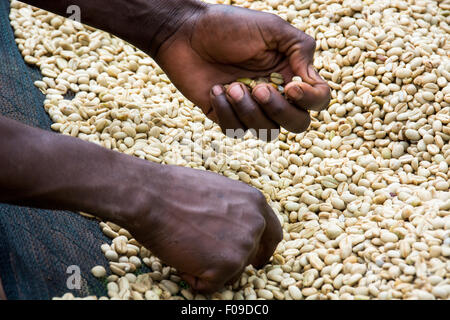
127	195
160	20
45	170
146	24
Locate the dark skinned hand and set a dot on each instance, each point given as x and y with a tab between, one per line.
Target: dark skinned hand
222	43
207	226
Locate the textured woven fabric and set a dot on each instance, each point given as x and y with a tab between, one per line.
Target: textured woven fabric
37	246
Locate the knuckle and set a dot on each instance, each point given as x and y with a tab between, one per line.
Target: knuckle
279	237
309	43
231	265
275	110
248	243
259	224
275	20
278	234
257	196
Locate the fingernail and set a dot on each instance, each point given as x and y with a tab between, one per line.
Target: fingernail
295	92
262	94
236	92
217	90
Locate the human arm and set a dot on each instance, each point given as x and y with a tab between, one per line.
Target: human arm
202	47
47	170
205	225
147	24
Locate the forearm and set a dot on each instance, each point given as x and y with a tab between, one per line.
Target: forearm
46	170
143	23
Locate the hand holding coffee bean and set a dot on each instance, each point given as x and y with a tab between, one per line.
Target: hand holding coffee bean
225	43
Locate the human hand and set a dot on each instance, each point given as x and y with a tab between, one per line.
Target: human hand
206	226
223	43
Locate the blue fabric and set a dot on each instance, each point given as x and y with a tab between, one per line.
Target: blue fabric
37	246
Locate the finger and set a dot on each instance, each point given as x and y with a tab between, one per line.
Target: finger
280	110
248	111
252	255
312	94
226	117
301	52
201	285
307	96
316	92
270	239
289	40
190	279
236	277
299	47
